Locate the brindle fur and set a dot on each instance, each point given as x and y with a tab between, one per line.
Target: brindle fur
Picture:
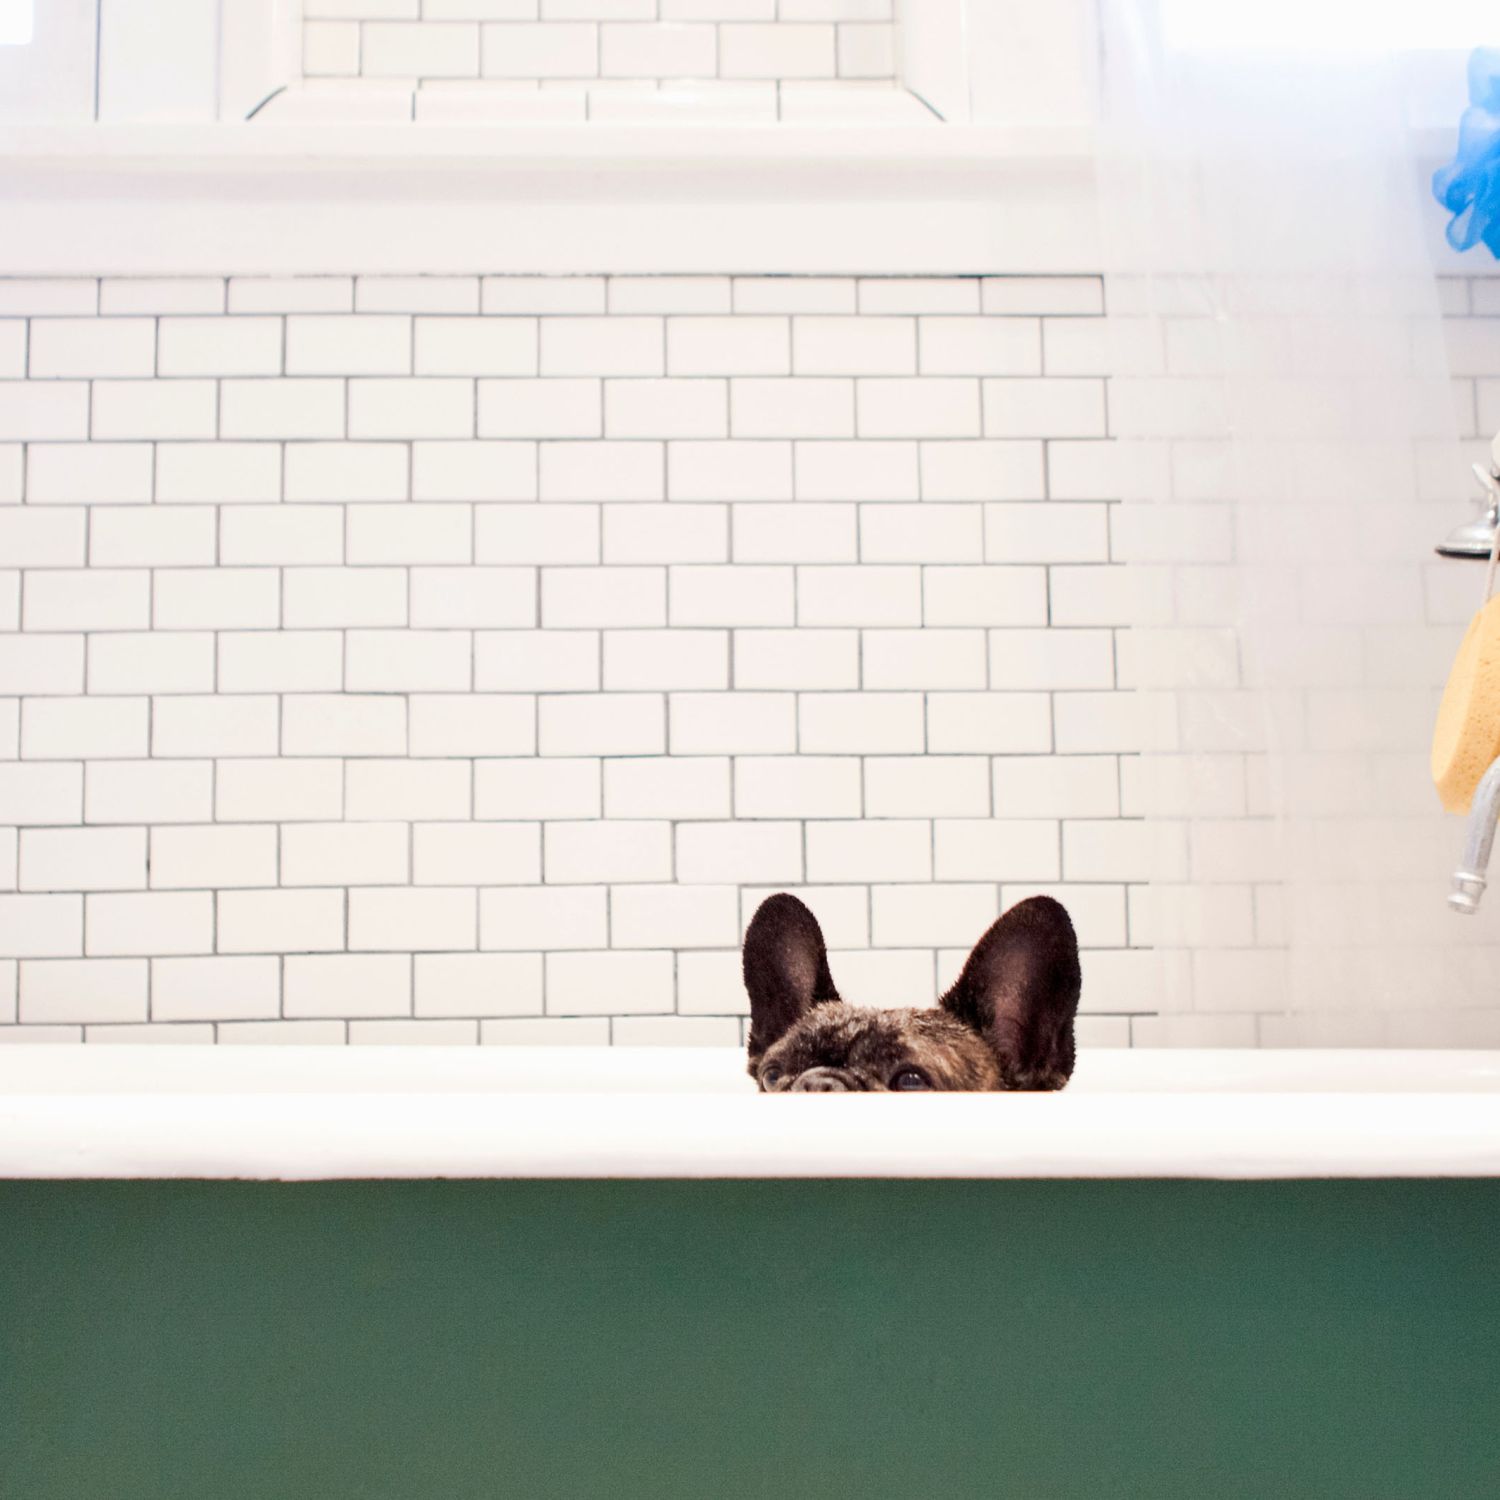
1007	1022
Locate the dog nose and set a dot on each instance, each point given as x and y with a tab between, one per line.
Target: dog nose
821	1081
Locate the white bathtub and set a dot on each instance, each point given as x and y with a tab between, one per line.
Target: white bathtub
318	1113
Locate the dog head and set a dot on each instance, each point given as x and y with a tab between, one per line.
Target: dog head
1007	1023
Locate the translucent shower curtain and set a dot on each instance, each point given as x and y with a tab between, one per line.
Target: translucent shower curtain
1288	459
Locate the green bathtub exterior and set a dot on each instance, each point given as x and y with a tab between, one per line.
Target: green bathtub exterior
719	1340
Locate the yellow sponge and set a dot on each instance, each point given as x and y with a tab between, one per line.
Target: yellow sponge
1467	737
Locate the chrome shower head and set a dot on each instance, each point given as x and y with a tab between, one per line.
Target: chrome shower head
1476	538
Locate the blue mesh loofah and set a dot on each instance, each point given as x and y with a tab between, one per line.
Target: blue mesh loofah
1469	186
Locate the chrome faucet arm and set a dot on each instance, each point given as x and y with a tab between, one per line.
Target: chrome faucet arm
1470	878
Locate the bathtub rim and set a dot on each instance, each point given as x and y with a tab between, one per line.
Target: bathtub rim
93	1128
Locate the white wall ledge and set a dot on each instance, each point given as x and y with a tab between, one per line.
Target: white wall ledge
561	200
581	146
308	1114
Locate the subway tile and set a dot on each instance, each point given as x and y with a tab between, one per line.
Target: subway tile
333	854
103	990
860	723
927	786
536	534
732	853
291	294
730	471
609	983
542	917
983	595
594	597
293	922
343	724
672	408
93	347
366	344
645	660
43	538
428	407
993	723
918	294
669	294
408	533
878	850
506	295
599	470
854	346
536	660
929	407
732	595
161	294
478	984
48	410
42	664
195	473
796	533
395	661
618	851
422	49
859	596
548	50
473	471
799	407
48	296
558	408
779	50
212	857
602	346
570	724
416	294
216	598
731	723
151	662
740	345
288	661
793	659
334	597
278	791
295	408
88	473
798	786
860	470
145	792
664	534
84	728
667	787
215	989
477	346
82	859
148	924
87	599
213	346
924	659
407	790
41	926
129	536
1061	408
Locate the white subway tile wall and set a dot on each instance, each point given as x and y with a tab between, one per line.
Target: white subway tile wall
609	47
461	659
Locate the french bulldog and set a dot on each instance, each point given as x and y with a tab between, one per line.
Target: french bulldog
1007	1022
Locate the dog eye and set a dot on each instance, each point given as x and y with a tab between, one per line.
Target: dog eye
908	1079
771	1076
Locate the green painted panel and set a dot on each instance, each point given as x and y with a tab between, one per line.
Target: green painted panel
722	1341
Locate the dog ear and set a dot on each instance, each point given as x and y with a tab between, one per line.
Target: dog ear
786	969
1019	990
